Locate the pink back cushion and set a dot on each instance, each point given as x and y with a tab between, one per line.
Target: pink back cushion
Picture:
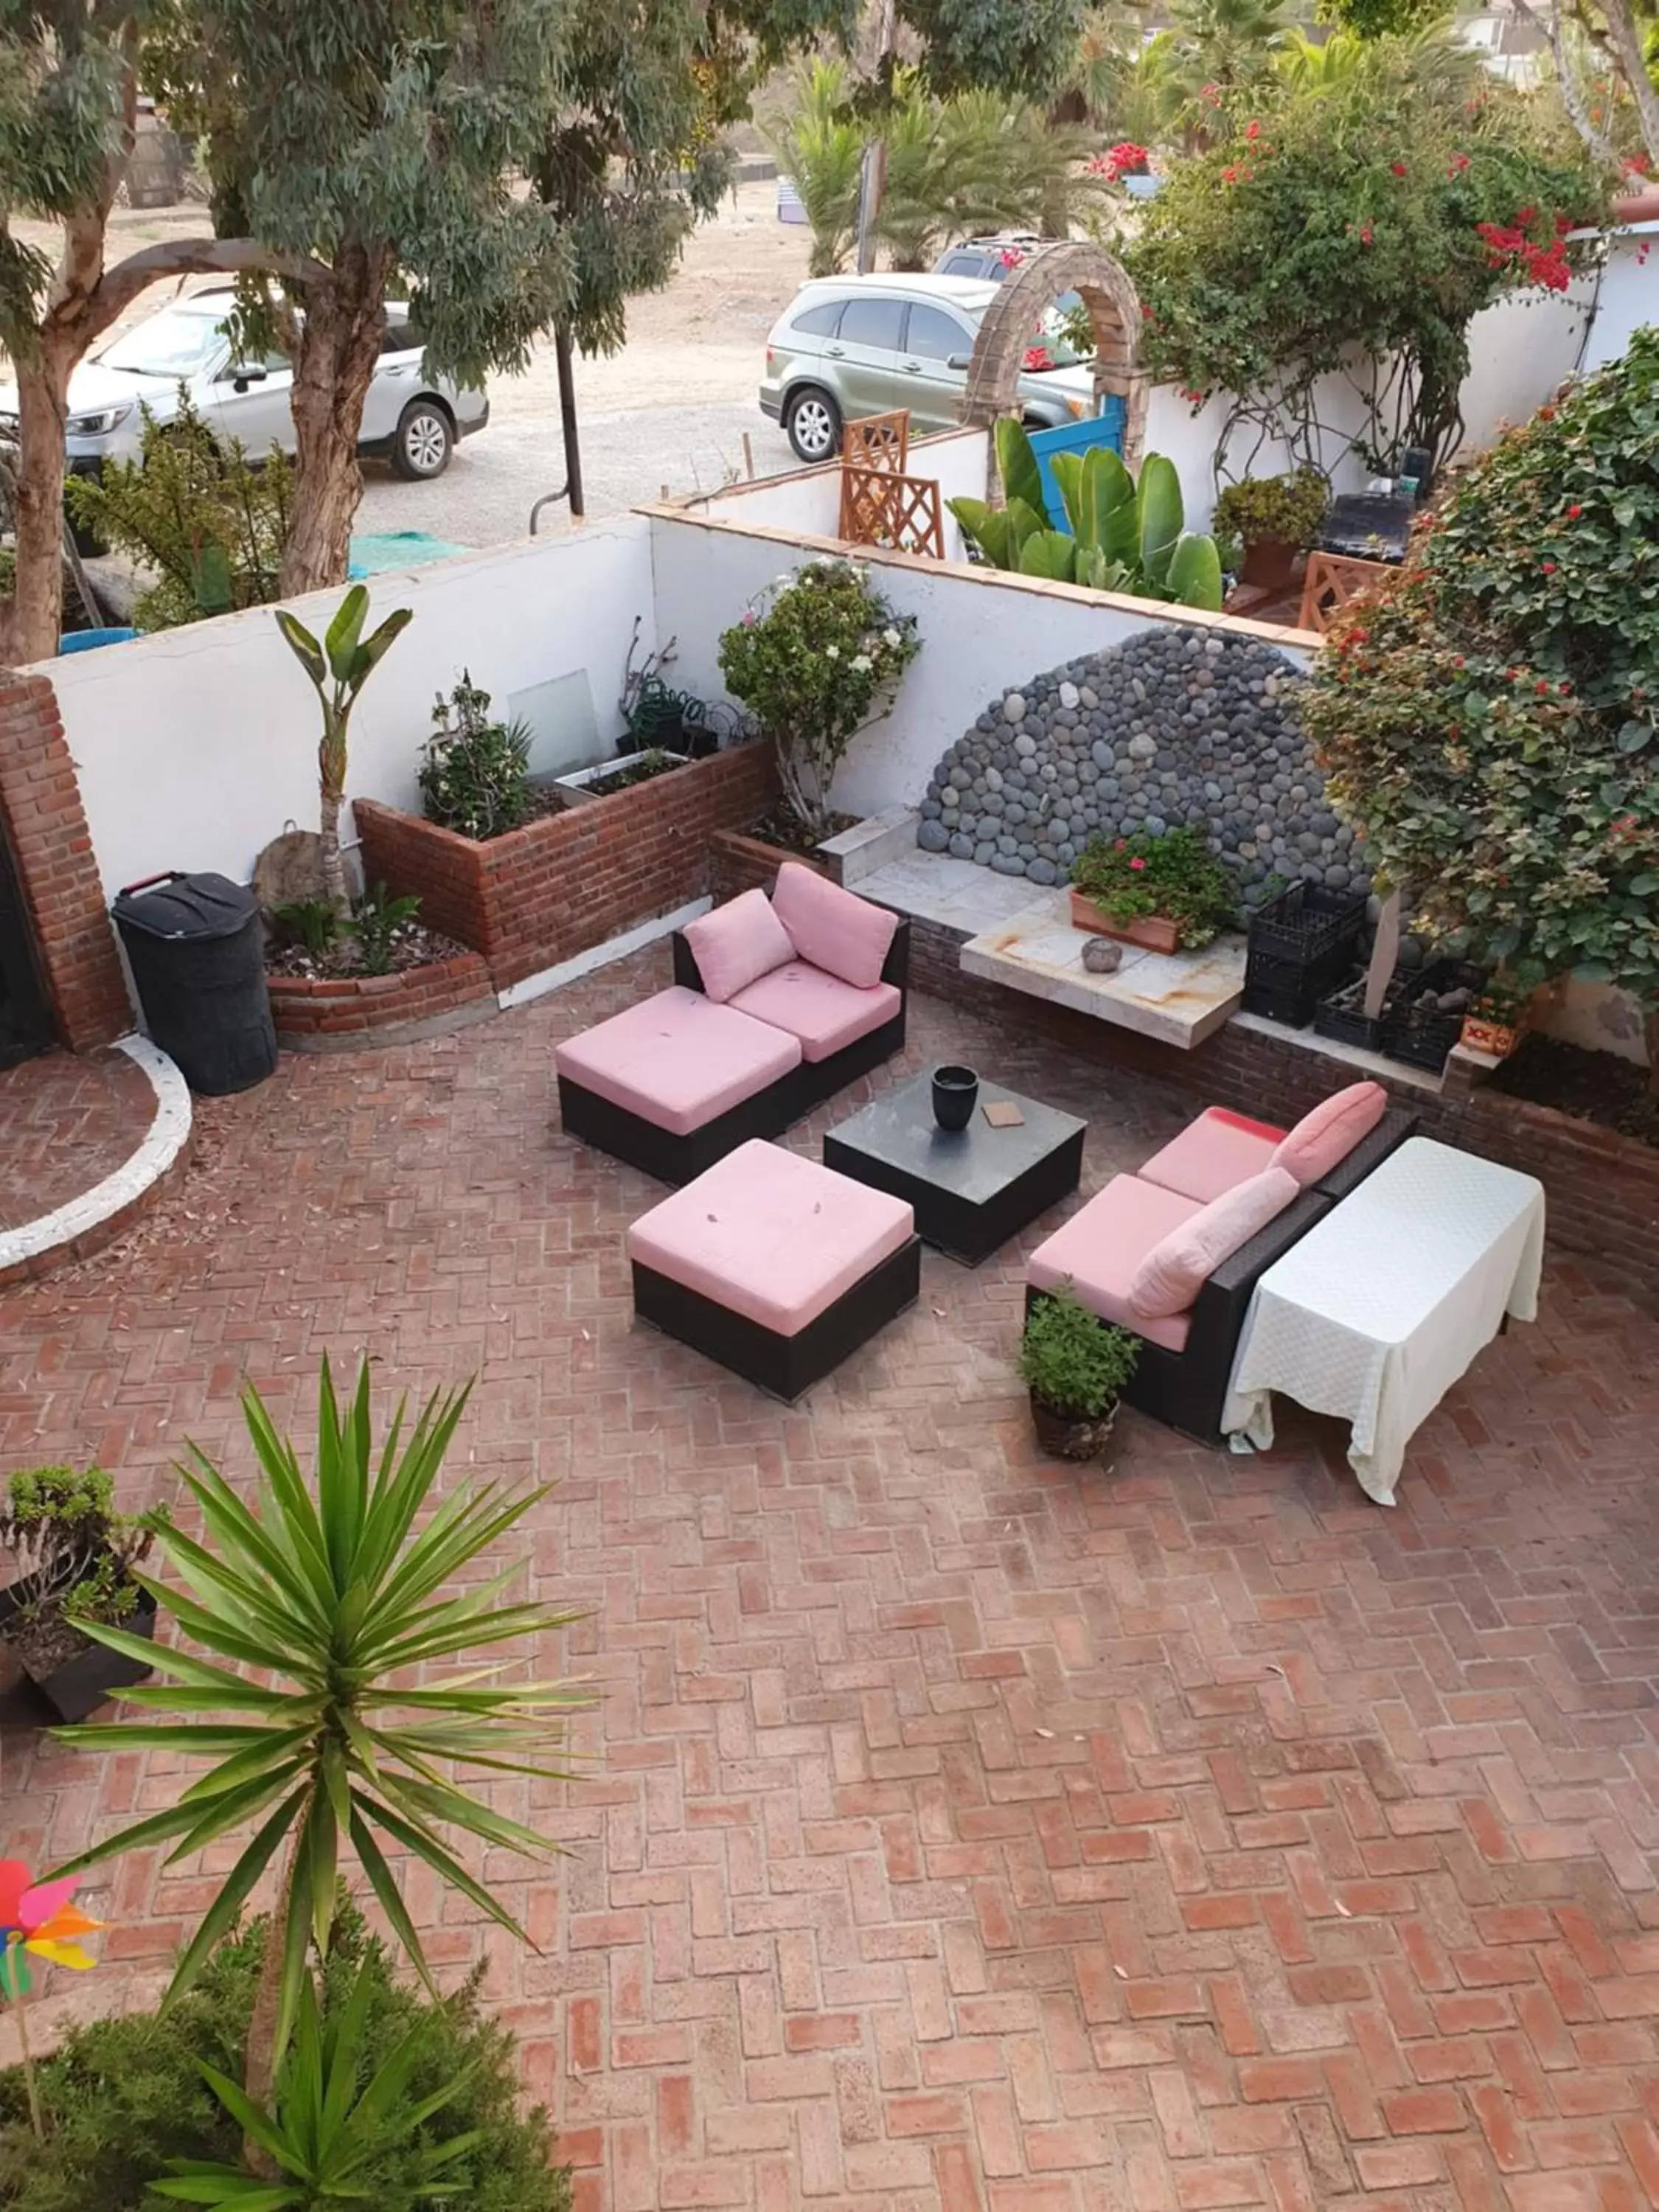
846	936
1321	1140
1175	1270
737	945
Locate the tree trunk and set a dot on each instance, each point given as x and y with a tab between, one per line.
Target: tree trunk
1651	1037
1624	38
340	346
330	790
31	632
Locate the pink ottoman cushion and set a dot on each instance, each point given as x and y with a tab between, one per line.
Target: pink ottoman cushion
820	1010
1101	1247
771	1236
1322	1140
1175	1270
737	943
1213	1154
678	1061
844	935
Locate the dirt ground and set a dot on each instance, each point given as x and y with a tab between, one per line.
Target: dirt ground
671	407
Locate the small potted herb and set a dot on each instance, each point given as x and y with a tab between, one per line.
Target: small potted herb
76	1557
1074	1365
1275	518
1167	892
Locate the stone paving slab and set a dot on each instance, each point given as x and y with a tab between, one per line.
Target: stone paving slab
1179	998
965	1832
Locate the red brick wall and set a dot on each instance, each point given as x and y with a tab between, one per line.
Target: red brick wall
348	1006
44	827
573	880
1603	1188
743	863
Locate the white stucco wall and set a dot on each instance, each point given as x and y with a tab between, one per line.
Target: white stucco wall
808	500
197	746
1628	294
981	634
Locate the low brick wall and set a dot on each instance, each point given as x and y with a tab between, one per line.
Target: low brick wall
1603	1188
346	1007
741	864
569	881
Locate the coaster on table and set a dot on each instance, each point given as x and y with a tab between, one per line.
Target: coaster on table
1002	1113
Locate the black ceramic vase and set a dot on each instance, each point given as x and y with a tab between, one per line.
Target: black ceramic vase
955	1089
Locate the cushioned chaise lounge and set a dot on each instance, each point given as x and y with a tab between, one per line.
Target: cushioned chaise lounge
777	1004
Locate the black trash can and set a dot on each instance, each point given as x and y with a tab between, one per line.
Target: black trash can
196	951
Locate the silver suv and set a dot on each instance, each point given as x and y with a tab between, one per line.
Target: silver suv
864	345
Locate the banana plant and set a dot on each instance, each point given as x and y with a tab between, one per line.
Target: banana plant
347	657
1123	536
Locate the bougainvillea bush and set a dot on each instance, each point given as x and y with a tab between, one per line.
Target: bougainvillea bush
1492	723
1358	222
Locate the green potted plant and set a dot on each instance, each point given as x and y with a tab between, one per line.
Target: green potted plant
474	772
1497	1020
75	1555
1075	1366
1275	518
1167	892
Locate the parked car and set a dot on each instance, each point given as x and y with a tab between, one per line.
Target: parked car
864	345
411	420
992	258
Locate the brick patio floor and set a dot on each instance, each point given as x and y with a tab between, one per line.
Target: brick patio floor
965	1831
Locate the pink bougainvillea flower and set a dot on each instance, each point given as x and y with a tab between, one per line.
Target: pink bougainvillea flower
1137	864
1365	233
1574	512
1038	356
1549	568
37	1917
1399	168
1252	131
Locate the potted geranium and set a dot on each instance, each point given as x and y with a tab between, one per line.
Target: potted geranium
1075	1366
1166	891
1275	518
76	1557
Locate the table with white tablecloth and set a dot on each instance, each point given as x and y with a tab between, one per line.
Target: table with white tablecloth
1380	1307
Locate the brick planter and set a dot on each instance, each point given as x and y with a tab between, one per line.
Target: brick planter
343	1010
569	881
741	863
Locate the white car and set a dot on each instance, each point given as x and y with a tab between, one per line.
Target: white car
411	419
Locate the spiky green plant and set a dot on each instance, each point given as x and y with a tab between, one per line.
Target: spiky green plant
332	1598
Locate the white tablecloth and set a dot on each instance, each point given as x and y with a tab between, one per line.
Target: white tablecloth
1385	1303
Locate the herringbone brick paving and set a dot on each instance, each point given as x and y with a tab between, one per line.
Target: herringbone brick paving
964	1831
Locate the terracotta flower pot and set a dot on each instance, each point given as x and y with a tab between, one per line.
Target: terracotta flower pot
1270	564
1154	931
1065	1437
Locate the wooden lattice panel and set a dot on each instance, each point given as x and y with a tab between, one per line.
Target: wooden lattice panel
901	513
878	441
1332	580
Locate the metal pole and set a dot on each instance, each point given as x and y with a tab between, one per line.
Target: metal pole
573	451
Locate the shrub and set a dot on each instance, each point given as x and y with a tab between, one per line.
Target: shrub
475	777
818	657
1290	506
1071	1360
1172	873
195	510
1490	723
124	2096
61	1528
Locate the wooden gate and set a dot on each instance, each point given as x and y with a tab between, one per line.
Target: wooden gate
25	1017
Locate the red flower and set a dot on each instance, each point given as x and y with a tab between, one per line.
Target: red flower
1543	688
1525	216
1229	175
1549	568
1399	168
1459	163
1038	356
1253	131
1126	159
1137	864
1119	844
1365	233
1574	512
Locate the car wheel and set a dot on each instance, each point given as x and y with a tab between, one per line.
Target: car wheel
812	421
423	442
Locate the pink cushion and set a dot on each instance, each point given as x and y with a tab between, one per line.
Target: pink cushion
678	1059
1175	1270
820	1010
770	1235
1103	1244
1213	1154
737	944
1321	1140
844	935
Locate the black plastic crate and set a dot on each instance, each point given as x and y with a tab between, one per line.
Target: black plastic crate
1421	1035
1347	1023
1306	926
1291	1001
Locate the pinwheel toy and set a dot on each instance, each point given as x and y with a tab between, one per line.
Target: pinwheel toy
37	1917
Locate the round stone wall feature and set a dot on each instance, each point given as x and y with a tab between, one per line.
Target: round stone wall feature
1177	726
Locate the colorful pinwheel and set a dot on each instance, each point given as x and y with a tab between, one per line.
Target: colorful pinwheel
37	1918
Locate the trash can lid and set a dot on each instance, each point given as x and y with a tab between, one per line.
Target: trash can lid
182	906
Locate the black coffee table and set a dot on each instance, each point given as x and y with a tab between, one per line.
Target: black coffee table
970	1189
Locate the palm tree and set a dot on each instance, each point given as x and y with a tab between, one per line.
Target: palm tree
819	148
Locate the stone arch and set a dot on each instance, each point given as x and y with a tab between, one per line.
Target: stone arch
1071	265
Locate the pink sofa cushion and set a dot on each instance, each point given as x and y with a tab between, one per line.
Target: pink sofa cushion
771	1236
1322	1140
1175	1271
737	943
678	1061
1212	1155
820	1010
844	935
1103	1244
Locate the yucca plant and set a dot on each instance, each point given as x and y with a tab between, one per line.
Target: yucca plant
320	2135
333	1599
349	659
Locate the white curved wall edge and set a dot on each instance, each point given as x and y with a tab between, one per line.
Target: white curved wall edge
160	1148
